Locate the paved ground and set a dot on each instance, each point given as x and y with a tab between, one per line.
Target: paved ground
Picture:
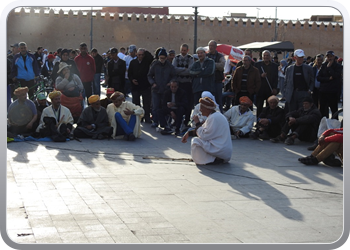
148	192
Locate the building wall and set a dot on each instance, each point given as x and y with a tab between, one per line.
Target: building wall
68	29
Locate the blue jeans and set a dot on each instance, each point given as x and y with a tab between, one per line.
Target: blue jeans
96	85
156	103
122	127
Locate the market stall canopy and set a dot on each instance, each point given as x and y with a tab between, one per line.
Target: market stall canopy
234	54
271	46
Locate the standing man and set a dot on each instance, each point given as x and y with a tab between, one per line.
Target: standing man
10	85
219	60
182	63
171	55
299	82
140	86
15	50
160	75
87	68
131	56
25	69
330	78
246	80
99	67
203	73
316	70
269	80
58	56
39	56
247	52
116	68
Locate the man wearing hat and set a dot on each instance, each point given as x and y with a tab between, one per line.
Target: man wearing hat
40	103
116	69
93	121
21	114
299	82
65	58
240	118
303	123
47	68
160	75
56	119
87	68
171	55
213	143
107	100
330	78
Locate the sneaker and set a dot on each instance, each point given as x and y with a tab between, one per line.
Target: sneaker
277	139
177	132
131	137
126	137
166	131
254	135
309	161
264	135
154	125
332	161
100	137
233	137
303	158
289	141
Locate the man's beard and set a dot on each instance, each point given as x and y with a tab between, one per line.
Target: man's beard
97	110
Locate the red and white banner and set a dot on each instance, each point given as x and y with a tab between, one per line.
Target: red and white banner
234	54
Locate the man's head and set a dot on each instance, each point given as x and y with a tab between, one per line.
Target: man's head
122	50
15	48
55	97
114	53
94	52
247	60
273	101
174	86
140	54
201	53
266	56
308	59
64	55
212	46
171	55
307	103
40	50
245	103
73	53
21	93
117	98
45	51
299	57
132	50
41	99
330	56
23	48
275	59
94	101
83	49
248	52
207	106
184	49
319	59
162	55
59	51
51	57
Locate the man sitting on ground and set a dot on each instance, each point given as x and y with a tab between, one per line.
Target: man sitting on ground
40	103
124	117
270	120
303	122
93	121
240	118
174	104
213	144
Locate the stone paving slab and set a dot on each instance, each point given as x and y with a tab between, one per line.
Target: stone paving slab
120	192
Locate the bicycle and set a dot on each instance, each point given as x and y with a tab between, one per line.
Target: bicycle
44	86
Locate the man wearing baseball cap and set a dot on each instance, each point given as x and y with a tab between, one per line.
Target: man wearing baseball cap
330	77
299	82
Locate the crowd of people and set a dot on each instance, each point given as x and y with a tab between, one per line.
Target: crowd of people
204	96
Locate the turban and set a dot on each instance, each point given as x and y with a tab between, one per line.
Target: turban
110	91
93	98
117	96
41	96
21	90
210	95
54	94
273	97
245	100
207	103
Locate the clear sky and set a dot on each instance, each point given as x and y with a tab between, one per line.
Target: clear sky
288	13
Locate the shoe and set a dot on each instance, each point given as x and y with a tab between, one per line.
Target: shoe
233	137
254	135
154	125
313	147
148	120
177	132
126	137
131	137
303	158
277	139
332	161
309	161
264	135
166	131
289	141
100	137
71	137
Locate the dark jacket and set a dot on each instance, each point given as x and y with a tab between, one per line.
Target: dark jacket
161	75
219	74
180	98
335	71
139	71
312	116
276	116
253	80
119	71
73	69
99	63
272	77
203	76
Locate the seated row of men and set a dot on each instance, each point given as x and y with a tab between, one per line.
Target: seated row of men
121	119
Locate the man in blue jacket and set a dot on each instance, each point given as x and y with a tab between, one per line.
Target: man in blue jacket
25	69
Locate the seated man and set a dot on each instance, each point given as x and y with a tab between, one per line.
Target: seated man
93	121
124	117
40	104
270	120
56	120
303	122
240	118
329	142
212	145
198	113
174	104
21	114
107	100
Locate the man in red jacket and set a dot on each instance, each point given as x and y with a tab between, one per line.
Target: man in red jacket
87	68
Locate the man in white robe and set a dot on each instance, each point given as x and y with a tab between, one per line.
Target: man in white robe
213	144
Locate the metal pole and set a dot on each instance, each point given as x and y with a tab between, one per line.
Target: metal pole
195	30
276	25
91	32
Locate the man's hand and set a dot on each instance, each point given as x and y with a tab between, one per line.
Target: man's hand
264	121
263	75
89	127
274	92
134	81
196	119
170	104
68	131
185	137
292	121
154	85
128	112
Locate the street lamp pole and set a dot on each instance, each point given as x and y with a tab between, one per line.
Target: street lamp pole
276	24
91	32
195	30
257	15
